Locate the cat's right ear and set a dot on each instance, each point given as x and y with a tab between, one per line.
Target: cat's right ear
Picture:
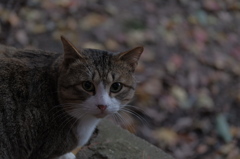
132	56
70	52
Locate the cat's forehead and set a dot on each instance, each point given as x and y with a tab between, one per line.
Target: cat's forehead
102	66
109	74
96	54
108	77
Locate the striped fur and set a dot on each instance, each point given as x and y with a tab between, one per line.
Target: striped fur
45	110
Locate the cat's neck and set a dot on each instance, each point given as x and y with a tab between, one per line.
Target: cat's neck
85	128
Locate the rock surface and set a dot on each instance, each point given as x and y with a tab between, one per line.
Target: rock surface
112	142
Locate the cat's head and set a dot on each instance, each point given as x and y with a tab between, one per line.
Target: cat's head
95	82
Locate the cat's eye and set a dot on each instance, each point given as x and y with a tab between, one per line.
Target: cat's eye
116	87
88	86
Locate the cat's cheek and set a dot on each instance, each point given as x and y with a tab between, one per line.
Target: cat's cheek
116	106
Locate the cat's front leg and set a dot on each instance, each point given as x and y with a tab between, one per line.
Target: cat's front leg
69	155
76	150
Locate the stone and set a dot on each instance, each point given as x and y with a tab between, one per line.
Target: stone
112	142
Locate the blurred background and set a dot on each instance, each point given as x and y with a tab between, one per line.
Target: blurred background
188	96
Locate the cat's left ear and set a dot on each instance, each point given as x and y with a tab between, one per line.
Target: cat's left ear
132	56
70	52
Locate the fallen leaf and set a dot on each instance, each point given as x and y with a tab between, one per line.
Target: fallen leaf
204	100
22	37
166	135
181	95
152	86
92	20
223	127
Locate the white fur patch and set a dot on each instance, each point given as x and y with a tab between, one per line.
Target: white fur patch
90	120
102	98
67	156
85	129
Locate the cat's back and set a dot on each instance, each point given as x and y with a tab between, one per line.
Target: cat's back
22	71
9	62
27	57
23	64
20	67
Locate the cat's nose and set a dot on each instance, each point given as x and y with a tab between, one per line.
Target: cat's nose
102	107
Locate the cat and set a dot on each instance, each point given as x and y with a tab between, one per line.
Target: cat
50	103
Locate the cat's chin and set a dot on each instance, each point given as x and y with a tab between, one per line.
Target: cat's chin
100	115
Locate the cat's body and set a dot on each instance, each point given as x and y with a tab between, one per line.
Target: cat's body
28	89
50	103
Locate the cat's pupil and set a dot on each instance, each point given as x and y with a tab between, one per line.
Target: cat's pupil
116	87
88	86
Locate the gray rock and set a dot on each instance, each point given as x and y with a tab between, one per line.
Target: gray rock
112	142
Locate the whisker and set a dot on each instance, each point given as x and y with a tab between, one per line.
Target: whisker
76	120
119	118
126	122
67	116
115	119
57	113
67	106
135	107
65	121
60	105
140	118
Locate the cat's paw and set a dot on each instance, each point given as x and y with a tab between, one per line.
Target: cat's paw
67	156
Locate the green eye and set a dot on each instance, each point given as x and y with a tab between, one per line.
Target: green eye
116	87
88	86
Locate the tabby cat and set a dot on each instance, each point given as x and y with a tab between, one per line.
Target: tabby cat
50	103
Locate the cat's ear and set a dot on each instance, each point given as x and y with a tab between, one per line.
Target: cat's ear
132	56
70	52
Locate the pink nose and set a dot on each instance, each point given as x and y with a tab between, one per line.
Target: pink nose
102	107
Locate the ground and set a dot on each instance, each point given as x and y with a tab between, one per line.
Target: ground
188	96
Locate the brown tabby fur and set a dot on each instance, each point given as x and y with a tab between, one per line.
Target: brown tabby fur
35	87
